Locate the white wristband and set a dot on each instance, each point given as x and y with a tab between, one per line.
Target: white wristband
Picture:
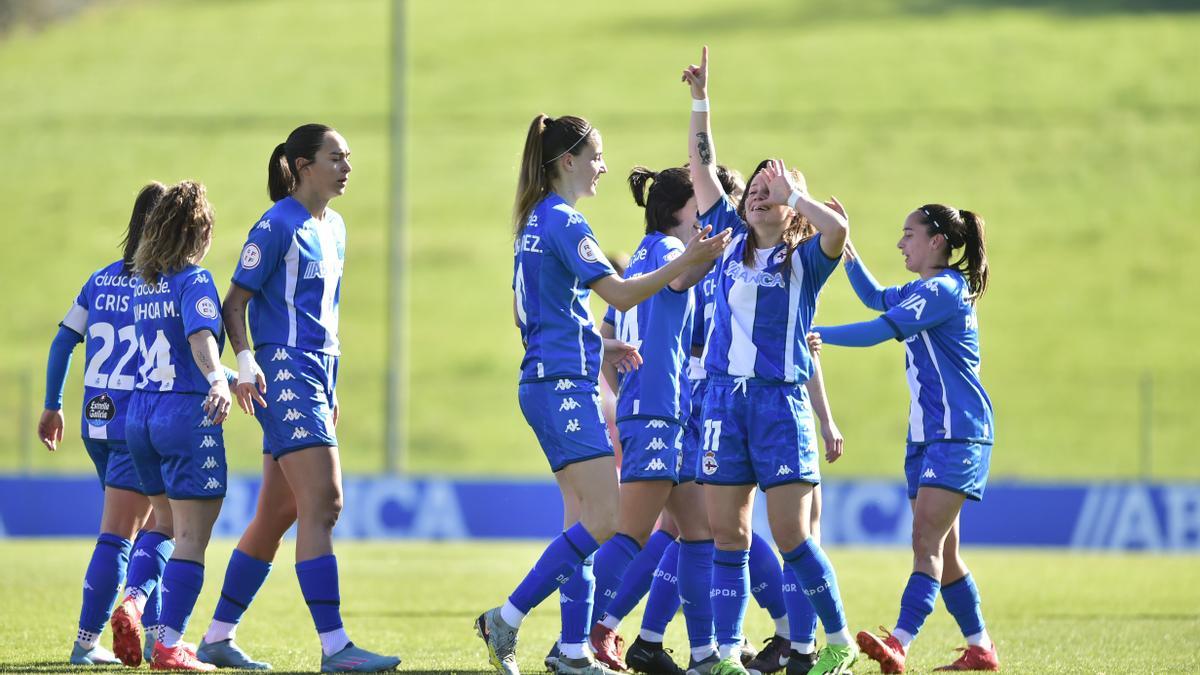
699	105
214	376
793	198
247	368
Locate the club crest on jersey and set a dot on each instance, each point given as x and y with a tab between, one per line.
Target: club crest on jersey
207	308
708	464
251	256
99	410
589	250
780	255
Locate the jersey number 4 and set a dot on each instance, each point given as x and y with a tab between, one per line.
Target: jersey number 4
156	363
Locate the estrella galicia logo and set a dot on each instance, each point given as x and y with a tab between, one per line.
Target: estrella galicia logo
99	410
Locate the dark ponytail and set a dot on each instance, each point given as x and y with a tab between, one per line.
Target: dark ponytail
670	189
547	140
147	199
302	143
962	229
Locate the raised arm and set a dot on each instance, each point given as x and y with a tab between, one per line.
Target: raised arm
702	154
701	250
865	287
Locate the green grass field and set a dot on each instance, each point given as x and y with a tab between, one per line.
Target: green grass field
1072	126
1048	612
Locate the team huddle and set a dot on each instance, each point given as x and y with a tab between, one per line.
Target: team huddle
709	346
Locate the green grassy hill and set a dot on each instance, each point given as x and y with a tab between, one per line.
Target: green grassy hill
1070	126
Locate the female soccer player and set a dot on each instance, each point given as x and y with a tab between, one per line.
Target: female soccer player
757	420
289	277
102	315
180	399
950	429
556	262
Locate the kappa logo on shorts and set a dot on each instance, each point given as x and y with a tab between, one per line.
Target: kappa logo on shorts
929	473
573	426
208	442
281	355
284	375
784	470
656	444
709	463
568	404
212	484
656	464
209	463
656	424
206	422
292	415
287	395
300	433
563	385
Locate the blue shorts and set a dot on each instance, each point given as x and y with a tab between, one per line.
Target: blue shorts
174	447
692	437
567	419
115	467
651	449
757	431
957	466
299	412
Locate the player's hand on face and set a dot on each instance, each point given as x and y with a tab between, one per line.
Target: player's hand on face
218	401
50	429
833	441
697	76
780	184
814	343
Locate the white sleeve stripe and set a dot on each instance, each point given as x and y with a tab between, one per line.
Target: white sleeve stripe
76	319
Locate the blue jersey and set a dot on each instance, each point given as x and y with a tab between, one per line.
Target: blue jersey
103	315
165	314
292	262
940	331
660	327
704	296
760	319
555	259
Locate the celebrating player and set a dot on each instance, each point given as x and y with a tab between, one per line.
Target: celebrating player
102	315
290	276
180	400
950	428
758	426
557	260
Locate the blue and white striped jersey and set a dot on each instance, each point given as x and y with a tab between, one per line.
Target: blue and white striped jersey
660	327
704	296
760	318
940	332
165	314
555	259
292	262
103	315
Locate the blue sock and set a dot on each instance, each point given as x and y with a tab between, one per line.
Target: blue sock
802	617
766	577
695	584
147	562
181	581
730	594
663	601
243	577
153	608
639	575
319	585
818	581
102	581
917	603
575	603
612	560
962	601
557	564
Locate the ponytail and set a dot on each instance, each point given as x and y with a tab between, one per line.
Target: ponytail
547	140
670	191
639	176
962	229
283	177
147	199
